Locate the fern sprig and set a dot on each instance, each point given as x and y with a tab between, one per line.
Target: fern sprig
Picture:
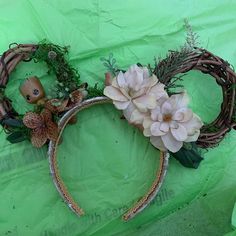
110	64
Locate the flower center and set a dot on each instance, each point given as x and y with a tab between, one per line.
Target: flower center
167	117
131	93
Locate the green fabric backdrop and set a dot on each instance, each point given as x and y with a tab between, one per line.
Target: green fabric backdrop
107	164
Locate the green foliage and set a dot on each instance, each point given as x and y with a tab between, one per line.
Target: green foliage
165	69
13	122
67	76
191	37
95	91
188	155
17	136
110	64
2	94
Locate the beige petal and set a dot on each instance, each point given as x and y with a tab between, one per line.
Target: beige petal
140	92
160	117
147	132
145	102
171	143
183	115
155	113
179	100
134	77
125	92
166	108
145	72
150	82
128	111
164	127
158	143
114	94
174	124
192	125
162	99
147	122
180	133
155	129
158	91
194	137
114	83
137	117
121	80
178	116
121	105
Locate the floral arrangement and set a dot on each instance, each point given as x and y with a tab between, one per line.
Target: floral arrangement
167	120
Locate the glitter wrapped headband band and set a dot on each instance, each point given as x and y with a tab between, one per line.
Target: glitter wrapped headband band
61	188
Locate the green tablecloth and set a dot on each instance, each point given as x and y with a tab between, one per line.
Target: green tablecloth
107	164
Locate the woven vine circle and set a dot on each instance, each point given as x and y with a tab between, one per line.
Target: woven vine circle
54	57
208	63
9	61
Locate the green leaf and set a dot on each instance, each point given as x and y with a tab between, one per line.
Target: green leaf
233	86
188	155
13	122
113	62
16	137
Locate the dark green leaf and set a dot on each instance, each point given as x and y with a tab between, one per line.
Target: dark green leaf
113	61
13	122
188	155
17	137
233	86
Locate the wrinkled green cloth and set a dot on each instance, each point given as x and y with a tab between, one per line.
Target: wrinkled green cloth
107	164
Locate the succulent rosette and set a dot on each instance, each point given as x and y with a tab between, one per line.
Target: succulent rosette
171	123
135	92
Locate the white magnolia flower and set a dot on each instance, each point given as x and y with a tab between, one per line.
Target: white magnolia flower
135	92
171	123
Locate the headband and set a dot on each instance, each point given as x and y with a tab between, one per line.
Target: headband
143	94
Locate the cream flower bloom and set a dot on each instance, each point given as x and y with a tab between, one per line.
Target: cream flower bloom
135	92
171	123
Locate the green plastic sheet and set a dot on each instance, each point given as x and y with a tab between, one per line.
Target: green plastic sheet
107	164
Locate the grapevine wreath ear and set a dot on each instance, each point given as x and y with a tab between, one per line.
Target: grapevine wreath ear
40	124
143	94
208	63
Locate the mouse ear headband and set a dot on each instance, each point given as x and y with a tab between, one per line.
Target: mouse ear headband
141	93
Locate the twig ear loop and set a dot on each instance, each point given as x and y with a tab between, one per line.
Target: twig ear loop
60	185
